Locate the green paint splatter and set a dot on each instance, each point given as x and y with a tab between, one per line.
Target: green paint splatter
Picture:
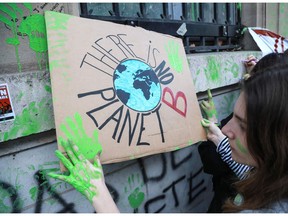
7	194
197	74
136	196
4	199
57	21
32	26
174	57
190	142
48	88
232	67
241	147
33	193
31	167
74	131
213	70
29	121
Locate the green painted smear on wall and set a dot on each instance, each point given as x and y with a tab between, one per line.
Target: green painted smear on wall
29	121
48	88
33	193
12	191
213	70
232	67
32	26
136	196
175	60
4	201
74	131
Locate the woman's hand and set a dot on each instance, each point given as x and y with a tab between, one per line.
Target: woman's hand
209	109
213	132
88	179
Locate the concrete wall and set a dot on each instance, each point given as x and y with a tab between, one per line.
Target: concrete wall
168	182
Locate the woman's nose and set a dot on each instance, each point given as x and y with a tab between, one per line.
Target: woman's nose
226	130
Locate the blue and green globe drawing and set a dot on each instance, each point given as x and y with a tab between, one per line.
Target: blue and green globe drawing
137	85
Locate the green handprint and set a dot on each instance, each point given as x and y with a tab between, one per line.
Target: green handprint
175	60
213	70
83	176
136	196
209	109
32	26
74	131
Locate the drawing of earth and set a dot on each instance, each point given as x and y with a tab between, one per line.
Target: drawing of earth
137	85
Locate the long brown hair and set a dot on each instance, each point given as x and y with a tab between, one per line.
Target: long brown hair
266	97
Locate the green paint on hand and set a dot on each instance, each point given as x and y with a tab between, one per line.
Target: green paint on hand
74	131
174	57
241	147
213	70
83	176
136	196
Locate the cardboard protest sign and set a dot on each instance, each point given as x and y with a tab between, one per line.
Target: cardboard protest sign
124	87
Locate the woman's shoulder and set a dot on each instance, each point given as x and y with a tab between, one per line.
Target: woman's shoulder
277	207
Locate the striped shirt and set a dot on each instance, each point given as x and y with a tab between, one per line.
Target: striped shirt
224	151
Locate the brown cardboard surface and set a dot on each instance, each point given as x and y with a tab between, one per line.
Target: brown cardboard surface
131	85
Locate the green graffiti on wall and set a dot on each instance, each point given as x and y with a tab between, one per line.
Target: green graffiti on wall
232	67
33	26
29	121
136	196
213	70
12	191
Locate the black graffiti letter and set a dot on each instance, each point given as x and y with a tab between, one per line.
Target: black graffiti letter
173	189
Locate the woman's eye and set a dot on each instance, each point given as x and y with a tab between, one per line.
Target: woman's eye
242	127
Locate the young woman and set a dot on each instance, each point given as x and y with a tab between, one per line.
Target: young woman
258	136
215	135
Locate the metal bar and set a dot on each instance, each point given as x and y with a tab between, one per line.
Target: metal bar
205	35
184	11
116	9
84	8
143	9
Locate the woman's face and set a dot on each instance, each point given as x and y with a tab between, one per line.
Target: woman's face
235	130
